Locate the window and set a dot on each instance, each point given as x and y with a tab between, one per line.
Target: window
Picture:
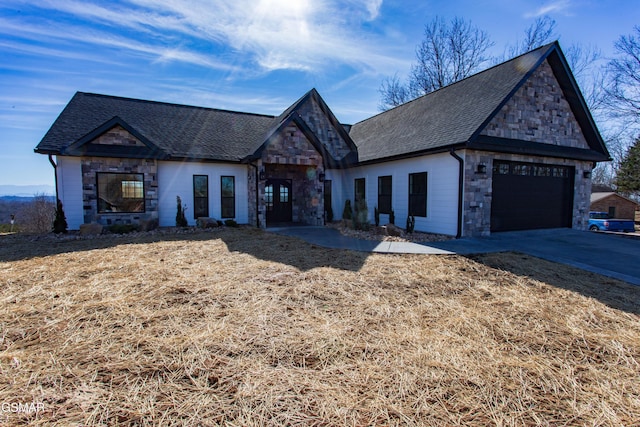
228	195
359	190
200	196
384	194
268	196
120	192
418	194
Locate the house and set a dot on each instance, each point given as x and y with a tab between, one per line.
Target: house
509	148
614	204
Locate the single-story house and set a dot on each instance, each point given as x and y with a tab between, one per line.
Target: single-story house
614	204
509	148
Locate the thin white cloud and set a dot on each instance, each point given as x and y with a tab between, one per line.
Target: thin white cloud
274	34
558	6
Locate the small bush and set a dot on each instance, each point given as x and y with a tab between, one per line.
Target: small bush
411	224
60	220
122	228
376	216
392	217
181	220
230	223
329	211
361	217
347	212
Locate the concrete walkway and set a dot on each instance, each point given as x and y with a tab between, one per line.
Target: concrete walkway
616	256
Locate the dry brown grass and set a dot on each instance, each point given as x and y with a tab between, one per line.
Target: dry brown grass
243	328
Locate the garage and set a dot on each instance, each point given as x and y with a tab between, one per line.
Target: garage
531	196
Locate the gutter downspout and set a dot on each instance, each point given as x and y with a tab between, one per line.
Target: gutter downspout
257	195
452	152
55	176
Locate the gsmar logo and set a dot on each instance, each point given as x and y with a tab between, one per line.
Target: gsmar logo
20	407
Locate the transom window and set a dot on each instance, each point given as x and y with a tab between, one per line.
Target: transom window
120	192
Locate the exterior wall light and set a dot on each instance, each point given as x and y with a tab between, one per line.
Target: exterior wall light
482	168
261	175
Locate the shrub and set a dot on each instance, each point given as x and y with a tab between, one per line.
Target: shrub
230	223
181	220
411	223
376	216
347	213
122	228
392	217
37	216
361	217
329	211
60	221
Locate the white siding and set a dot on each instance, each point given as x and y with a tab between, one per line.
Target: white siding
176	179
442	190
69	171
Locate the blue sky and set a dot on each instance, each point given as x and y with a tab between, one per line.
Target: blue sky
246	55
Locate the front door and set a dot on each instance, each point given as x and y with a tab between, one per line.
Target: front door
277	197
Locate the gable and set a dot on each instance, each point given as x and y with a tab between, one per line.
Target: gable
291	146
117	135
538	112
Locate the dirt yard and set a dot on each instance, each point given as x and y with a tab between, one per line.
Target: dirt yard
244	328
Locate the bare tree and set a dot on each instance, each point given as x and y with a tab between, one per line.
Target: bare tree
37	216
624	71
449	52
541	32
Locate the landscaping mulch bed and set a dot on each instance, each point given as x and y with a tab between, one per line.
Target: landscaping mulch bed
378	234
240	327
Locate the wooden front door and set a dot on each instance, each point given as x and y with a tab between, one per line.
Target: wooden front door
277	196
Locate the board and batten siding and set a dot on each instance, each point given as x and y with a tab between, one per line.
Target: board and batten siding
69	171
442	190
176	179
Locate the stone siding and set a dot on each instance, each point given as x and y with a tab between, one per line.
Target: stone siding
90	166
291	156
538	112
324	130
117	135
478	189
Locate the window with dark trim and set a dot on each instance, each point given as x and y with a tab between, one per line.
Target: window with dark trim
120	192
359	190
200	196
418	194
384	194
228	196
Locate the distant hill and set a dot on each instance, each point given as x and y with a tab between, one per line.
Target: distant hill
27	191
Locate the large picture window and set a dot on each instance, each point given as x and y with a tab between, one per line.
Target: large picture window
200	196
384	194
228	194
120	192
418	194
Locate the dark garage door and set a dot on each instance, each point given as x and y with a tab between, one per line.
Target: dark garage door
531	195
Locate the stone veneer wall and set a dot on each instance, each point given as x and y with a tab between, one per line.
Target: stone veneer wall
478	189
291	156
538	111
117	135
317	120
92	165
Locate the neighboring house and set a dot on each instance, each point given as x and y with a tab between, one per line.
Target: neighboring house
509	148
614	204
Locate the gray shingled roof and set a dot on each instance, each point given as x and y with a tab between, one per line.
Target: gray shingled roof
179	131
445	117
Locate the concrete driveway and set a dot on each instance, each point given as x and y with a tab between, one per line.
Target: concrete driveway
612	255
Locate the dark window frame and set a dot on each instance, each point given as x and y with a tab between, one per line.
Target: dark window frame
224	200
356	193
384	198
197	213
133	200
417	198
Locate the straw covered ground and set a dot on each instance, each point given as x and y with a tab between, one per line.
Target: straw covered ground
243	328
